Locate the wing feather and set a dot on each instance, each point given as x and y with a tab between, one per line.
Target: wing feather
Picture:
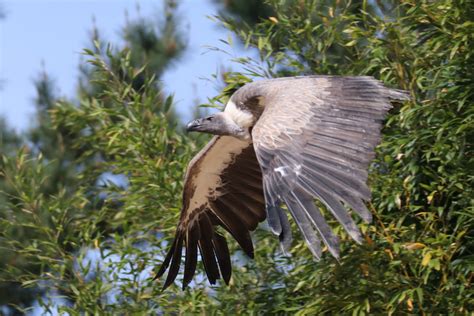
223	256
304	224
223	187
315	139
175	262
190	263
232	223
207	249
306	203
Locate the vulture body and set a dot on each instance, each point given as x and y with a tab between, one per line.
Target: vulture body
284	141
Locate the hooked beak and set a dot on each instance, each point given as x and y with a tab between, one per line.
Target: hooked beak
194	126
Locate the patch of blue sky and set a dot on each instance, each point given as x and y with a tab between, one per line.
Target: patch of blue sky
53	33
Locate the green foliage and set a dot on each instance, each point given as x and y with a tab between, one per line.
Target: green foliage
95	238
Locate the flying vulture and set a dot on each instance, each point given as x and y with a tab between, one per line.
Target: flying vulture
285	141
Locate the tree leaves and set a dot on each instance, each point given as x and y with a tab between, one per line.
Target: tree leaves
95	240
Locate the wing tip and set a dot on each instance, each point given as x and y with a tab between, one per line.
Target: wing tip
333	246
273	219
221	251
160	272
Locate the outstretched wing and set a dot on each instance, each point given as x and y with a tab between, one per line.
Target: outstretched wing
223	187
315	139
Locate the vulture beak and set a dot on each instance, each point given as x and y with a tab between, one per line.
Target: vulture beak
195	125
215	124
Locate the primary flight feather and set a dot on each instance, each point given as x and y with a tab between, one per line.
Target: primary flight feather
279	141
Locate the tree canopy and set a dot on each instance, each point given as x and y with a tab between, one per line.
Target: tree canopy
89	202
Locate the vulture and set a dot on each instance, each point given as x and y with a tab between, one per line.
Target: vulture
279	144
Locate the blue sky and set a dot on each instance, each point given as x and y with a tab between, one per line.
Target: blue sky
54	32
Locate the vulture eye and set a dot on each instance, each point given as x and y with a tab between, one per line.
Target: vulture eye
209	118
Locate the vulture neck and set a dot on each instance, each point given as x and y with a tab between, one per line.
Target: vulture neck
241	117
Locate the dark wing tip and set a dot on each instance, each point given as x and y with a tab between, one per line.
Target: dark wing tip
223	257
191	255
214	252
175	262
206	248
234	225
166	262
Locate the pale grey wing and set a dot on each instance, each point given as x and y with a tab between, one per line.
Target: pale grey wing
223	187
315	139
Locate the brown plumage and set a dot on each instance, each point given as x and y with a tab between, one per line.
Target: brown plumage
282	141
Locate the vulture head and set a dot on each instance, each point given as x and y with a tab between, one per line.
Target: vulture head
218	124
